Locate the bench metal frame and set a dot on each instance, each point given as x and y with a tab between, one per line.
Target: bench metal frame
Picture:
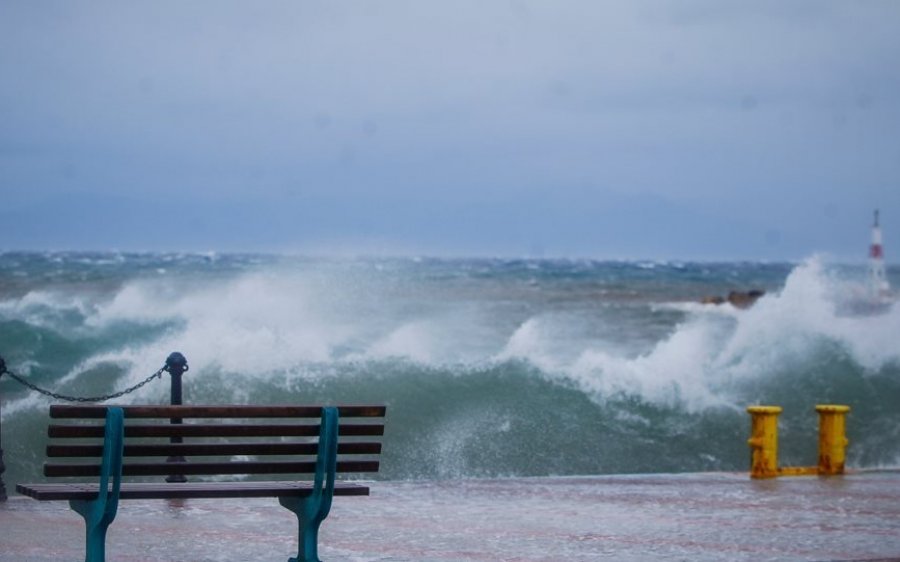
97	502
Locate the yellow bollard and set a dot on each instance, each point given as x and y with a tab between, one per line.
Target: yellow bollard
764	441
832	439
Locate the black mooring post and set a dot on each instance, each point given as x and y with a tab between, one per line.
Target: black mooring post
176	365
2	466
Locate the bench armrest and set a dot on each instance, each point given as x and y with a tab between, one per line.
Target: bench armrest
113	443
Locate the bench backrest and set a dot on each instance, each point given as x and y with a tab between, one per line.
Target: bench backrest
213	440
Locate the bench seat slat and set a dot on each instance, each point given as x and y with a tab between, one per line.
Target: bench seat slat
208	468
161	490
212	449
212	430
62	411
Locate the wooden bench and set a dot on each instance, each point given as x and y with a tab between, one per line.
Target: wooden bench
208	443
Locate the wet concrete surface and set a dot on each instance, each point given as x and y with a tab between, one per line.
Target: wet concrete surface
696	517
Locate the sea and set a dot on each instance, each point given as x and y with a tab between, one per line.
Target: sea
490	368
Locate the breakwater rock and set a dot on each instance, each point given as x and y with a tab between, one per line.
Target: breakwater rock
738	299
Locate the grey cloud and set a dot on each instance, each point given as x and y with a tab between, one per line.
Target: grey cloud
760	108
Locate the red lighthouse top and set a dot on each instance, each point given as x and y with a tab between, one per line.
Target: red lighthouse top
875	250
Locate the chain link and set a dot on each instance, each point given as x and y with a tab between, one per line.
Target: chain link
20	380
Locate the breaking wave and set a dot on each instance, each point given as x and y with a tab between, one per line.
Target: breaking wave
489	368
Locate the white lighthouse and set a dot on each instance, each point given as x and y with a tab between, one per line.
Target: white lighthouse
877	276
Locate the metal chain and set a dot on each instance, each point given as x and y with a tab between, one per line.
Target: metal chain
20	380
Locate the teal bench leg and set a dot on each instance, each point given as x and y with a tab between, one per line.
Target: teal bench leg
313	509
99	513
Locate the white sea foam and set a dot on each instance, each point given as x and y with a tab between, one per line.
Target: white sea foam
275	323
715	347
529	342
415	341
256	323
804	315
262	324
677	371
44	308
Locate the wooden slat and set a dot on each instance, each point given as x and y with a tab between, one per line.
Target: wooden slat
62	411
213	430
160	490
208	468
212	449
237	422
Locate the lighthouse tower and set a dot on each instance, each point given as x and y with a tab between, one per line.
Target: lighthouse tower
877	276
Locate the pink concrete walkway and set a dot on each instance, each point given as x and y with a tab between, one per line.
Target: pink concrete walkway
694	517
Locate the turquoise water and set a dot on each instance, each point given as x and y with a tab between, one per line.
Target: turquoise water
488	367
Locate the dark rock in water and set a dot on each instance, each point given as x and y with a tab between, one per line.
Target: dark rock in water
737	299
744	299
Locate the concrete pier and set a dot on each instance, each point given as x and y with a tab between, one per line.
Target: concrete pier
696	517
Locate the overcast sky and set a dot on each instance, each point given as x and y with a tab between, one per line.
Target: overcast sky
563	128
